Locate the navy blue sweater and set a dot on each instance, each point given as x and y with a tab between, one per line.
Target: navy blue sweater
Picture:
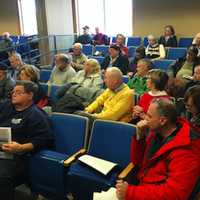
28	126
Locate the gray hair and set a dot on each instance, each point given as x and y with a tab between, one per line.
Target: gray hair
66	58
165	107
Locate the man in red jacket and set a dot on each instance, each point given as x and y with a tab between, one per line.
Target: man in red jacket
168	157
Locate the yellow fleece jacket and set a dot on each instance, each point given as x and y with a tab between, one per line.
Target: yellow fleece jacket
116	106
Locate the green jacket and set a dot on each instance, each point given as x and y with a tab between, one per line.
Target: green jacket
138	84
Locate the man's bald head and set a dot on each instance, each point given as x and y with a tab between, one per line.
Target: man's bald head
113	78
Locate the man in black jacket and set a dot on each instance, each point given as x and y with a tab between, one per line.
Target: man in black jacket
116	59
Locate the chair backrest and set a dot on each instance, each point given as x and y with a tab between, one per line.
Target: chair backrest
88	49
45	75
125	79
133	41
113	39
185	41
162	64
103	49
131	51
98	58
145	41
53	91
44	87
176	52
111	141
70	132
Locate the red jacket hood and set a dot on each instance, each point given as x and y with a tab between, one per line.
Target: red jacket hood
181	139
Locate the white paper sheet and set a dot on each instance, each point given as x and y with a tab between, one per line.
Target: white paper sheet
100	165
5	137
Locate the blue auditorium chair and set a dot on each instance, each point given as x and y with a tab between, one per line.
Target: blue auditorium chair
98	58
88	49
176	52
125	79
23	47
131	51
102	49
52	92
44	87
110	141
45	75
133	41
145	41
185	42
162	64
47	168
113	39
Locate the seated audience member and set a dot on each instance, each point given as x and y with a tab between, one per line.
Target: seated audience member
166	151
188	66
139	54
195	79
116	102
116	59
78	57
6	83
90	76
31	132
138	81
185	66
86	37
169	38
154	50
99	38
196	43
83	89
31	73
192	106
156	84
6	44
63	72
120	41
16	63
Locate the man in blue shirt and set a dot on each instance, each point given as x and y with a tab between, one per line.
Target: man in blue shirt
31	132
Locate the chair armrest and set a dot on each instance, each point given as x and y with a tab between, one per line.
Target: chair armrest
72	158
126	171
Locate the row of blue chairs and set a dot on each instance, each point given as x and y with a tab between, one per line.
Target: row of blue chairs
54	173
137	41
173	53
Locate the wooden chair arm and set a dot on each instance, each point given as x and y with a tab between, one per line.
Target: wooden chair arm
126	171
72	158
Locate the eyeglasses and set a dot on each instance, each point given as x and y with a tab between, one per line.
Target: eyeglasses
19	93
188	105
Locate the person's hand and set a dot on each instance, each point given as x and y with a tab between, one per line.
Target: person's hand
137	111
12	147
130	74
121	187
142	127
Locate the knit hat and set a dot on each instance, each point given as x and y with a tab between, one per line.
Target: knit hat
86	27
116	47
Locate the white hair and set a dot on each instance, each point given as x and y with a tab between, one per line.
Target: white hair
79	45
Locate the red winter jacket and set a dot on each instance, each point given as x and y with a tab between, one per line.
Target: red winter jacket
172	171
